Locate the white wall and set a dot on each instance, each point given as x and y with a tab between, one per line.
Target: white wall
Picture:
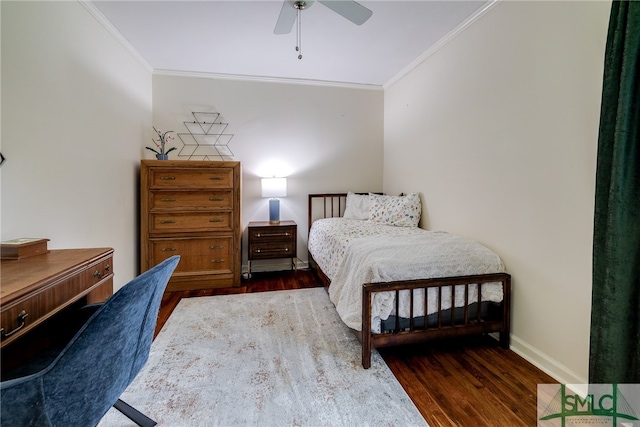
324	139
76	107
77	113
498	131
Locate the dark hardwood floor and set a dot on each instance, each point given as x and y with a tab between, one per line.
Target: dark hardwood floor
463	382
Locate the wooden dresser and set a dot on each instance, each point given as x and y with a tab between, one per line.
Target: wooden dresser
192	209
37	288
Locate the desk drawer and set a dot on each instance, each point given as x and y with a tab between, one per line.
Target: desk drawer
97	271
52	298
192	178
190	221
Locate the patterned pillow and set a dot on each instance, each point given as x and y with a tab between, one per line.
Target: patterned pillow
357	206
401	211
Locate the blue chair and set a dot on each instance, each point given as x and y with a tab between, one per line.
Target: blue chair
89	374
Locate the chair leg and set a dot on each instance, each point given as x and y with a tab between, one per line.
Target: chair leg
133	414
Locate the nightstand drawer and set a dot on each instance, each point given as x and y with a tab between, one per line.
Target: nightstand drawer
273	250
186	178
192	200
258	235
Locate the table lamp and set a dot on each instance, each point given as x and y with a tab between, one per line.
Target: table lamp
274	188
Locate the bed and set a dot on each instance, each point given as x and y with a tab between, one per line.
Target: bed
394	283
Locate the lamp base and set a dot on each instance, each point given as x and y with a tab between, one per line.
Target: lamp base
274	211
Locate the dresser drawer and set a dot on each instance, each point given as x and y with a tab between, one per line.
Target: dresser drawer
192	178
191	200
204	254
190	221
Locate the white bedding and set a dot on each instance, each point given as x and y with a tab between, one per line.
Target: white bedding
354	252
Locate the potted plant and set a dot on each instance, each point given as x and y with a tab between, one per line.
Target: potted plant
160	144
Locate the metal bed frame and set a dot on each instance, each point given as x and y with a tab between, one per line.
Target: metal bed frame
448	323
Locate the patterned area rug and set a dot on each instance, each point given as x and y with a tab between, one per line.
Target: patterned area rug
280	358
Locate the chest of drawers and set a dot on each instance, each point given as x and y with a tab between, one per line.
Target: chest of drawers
192	209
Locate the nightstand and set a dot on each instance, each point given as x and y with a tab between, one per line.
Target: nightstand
272	241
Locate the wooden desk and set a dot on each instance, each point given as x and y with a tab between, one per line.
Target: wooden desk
34	289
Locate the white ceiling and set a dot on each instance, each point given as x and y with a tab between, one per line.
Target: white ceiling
235	38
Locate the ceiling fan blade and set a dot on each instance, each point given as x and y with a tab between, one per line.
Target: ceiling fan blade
349	9
287	18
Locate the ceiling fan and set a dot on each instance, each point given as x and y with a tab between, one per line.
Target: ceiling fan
349	9
291	12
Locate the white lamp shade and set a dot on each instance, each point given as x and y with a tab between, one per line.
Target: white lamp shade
274	187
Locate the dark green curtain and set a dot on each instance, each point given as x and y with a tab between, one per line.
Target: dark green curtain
615	317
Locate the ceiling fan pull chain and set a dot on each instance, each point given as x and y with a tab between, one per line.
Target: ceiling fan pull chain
299	34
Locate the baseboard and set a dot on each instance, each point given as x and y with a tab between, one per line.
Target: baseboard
274	265
550	366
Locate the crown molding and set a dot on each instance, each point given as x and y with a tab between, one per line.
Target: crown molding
265	79
446	39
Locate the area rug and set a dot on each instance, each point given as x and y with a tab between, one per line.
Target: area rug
281	358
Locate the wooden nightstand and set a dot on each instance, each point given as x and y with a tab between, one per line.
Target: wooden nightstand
271	241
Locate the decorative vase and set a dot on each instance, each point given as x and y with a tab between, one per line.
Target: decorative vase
162	156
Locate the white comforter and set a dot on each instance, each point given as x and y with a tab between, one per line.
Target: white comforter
354	252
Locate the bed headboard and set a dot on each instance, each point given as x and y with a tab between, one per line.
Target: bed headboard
326	205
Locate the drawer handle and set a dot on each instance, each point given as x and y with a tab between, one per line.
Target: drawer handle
272	250
273	234
216	178
99	275
166	199
216	199
21	317
216	247
216	220
219	260
168	178
168	249
168	221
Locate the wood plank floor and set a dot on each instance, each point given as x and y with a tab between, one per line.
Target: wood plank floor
463	382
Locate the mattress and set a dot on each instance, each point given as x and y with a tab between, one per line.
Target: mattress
353	252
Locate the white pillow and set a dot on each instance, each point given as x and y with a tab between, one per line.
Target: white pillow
357	206
401	211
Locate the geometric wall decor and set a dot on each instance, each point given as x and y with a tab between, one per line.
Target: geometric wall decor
205	139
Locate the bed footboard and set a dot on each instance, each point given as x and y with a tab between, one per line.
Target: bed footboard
447	324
